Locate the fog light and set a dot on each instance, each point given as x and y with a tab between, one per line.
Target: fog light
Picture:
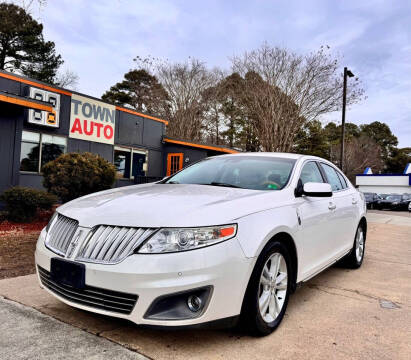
194	303
188	304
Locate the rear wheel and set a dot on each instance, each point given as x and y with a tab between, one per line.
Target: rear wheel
356	256
268	291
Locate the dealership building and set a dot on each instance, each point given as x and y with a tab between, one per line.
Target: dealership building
39	122
385	183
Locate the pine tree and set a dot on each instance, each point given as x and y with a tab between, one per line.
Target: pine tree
22	45
140	91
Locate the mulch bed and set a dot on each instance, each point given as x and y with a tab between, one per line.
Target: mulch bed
17	254
17	245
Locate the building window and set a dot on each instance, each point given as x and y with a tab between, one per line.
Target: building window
129	162
38	149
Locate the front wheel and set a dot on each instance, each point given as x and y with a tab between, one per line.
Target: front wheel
268	291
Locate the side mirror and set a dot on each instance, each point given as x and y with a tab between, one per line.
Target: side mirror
317	189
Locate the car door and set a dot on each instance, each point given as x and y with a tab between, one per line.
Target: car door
316	224
343	213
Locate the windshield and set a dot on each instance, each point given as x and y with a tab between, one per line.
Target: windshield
247	172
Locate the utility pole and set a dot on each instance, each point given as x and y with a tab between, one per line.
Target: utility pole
349	74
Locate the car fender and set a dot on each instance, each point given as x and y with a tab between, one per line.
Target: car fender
256	230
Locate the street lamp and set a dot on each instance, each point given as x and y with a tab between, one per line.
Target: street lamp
349	74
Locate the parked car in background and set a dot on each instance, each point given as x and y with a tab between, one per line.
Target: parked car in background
371	199
380	201
407	200
394	202
226	238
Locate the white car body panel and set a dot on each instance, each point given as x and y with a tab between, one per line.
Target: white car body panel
321	235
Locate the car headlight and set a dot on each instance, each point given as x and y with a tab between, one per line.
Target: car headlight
51	221
182	239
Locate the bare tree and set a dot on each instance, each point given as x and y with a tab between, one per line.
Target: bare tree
186	84
67	79
283	90
28	5
360	152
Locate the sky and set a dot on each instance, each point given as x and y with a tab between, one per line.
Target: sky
99	39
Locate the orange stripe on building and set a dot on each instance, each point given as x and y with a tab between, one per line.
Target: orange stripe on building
68	93
141	114
207	147
26	103
36	84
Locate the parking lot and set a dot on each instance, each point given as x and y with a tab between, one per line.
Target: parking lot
361	314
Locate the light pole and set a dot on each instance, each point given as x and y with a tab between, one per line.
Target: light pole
349	74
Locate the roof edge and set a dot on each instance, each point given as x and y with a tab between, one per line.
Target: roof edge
201	146
53	88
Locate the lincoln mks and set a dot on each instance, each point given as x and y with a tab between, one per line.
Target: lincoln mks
225	240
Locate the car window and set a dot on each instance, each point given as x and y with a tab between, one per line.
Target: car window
342	180
311	173
332	177
248	172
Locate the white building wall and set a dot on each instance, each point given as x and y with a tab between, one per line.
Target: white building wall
384	184
385	189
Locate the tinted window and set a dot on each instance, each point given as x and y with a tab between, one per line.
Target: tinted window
52	147
248	172
342	180
30	151
311	173
332	177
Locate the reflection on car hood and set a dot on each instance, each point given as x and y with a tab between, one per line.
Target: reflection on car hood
156	205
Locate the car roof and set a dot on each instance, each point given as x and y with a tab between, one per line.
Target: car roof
272	154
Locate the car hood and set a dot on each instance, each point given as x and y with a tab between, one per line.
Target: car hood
159	205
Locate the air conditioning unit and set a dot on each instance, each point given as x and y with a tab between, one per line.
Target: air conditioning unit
45	118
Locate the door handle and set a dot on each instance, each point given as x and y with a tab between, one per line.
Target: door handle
332	206
354	201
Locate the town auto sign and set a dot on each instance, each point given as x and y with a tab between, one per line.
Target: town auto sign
92	120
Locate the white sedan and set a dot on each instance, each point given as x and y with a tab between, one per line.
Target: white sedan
225	239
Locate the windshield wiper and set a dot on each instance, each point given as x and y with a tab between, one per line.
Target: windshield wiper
215	183
172	182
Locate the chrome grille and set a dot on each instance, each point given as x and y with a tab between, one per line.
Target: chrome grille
91	296
112	244
60	234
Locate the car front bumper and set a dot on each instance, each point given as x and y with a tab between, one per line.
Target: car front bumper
223	267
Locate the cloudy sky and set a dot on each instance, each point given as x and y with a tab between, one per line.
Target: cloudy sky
99	39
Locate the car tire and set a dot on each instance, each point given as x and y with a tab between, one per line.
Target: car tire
356	256
263	283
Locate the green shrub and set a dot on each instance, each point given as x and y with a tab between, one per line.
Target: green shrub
22	203
73	175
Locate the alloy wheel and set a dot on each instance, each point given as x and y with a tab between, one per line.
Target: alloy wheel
359	245
273	287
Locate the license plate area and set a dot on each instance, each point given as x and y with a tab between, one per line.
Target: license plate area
68	273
